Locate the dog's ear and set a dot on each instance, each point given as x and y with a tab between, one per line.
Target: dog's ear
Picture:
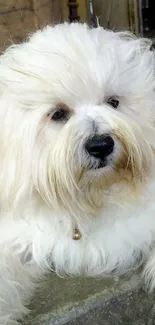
15	142
140	58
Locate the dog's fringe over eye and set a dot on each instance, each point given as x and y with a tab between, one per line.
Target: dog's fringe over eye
113	101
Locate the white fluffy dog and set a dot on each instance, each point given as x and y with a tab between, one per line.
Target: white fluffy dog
77	159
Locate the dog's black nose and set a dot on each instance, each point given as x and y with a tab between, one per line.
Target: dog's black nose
100	146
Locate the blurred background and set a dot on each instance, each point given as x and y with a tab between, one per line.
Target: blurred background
20	17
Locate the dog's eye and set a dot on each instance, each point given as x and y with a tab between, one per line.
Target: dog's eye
114	102
60	115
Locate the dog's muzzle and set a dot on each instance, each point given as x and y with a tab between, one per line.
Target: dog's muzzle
100	147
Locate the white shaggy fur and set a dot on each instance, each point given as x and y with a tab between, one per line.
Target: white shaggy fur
49	184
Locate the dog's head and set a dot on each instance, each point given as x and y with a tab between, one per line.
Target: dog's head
76	118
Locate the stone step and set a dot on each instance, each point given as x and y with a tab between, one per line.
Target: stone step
80	301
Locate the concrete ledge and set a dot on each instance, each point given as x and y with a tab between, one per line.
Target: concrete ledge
110	301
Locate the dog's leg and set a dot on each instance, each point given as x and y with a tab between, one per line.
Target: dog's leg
17	282
149	271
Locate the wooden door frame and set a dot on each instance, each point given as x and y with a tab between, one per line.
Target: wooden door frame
134	22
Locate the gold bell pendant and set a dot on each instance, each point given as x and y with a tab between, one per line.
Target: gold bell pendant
77	234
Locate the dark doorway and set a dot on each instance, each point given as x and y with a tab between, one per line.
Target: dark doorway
148	17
